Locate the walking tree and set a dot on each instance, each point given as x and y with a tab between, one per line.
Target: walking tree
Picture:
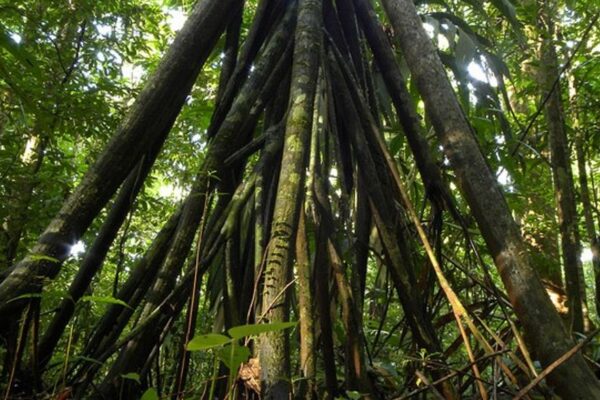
310	255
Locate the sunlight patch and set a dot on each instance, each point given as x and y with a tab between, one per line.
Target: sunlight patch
503	177
16	37
176	18
77	249
104	30
443	43
481	73
476	71
430	29
586	255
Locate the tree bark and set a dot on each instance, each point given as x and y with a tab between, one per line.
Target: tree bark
307	388
355	365
274	370
542	325
431	175
260	84
562	175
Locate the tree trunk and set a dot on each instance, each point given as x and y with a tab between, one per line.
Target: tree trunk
430	173
542	325
307	388
229	136
274	370
588	216
562	175
586	201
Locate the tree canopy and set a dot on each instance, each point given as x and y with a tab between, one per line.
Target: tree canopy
307	198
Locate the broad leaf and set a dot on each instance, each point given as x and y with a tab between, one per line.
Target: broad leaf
233	357
150	394
508	10
238	332
207	341
132	376
105	300
27	296
17	51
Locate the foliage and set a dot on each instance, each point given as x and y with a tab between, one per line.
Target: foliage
69	73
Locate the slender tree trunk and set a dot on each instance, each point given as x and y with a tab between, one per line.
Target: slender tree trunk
274	371
267	14
435	188
355	368
584	188
363	225
190	320
307	389
322	297
230	53
588	216
562	174
401	266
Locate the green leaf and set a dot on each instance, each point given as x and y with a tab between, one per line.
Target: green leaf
477	5
498	64
233	359
238	332
207	341
353	394
17	51
105	300
396	144
508	10
88	359
454	23
132	376
150	394
27	296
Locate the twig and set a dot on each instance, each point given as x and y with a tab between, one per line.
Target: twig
450	375
557	363
78	46
422	377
